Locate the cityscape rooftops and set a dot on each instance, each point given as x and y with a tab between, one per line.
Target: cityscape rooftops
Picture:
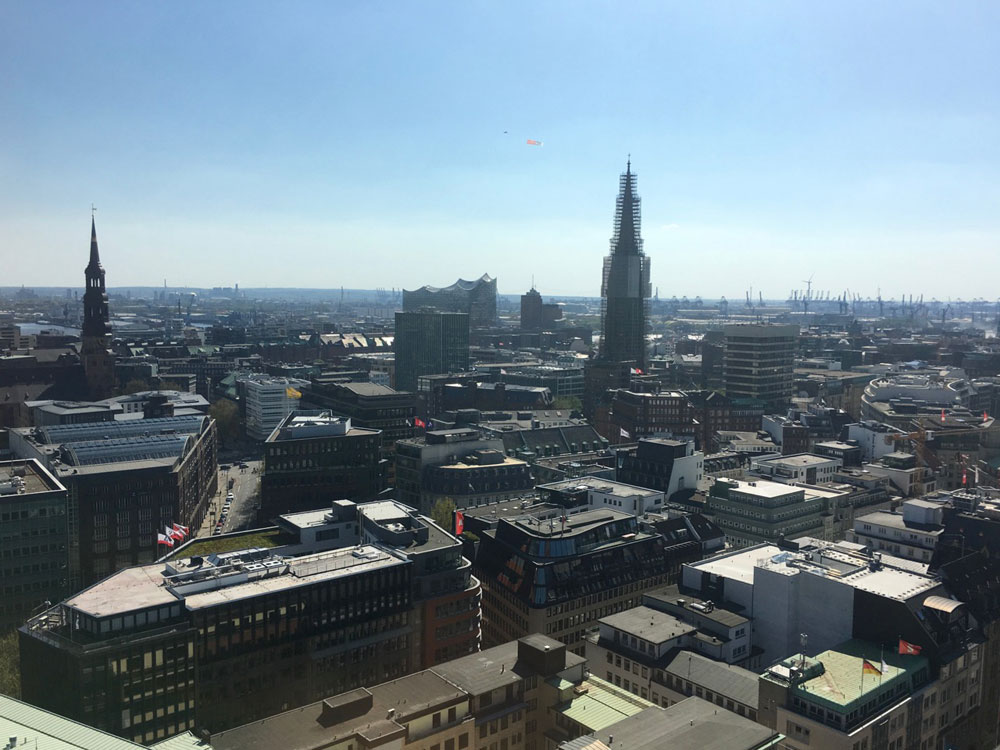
759	487
801	460
670	596
308	424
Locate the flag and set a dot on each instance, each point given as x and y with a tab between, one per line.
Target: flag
908	649
985	415
965	477
182	529
173	533
534	143
419	422
504	372
884	666
636	371
459	522
292	393
942	415
623	432
164	539
868	668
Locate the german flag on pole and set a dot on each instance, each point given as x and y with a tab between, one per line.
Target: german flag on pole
868	668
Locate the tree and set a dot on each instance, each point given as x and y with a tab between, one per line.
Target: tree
227	417
136	385
10	665
443	514
570	403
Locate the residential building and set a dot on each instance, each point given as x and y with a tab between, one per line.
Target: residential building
126	481
478	478
667	465
904	473
267	400
759	362
552	571
313	457
354	595
429	342
751	512
625	286
34	559
477	299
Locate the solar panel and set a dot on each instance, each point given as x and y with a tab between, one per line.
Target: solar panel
91	452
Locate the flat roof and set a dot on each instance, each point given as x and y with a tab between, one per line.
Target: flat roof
761	487
649	624
738	565
609	486
35	477
602	706
147	586
796	459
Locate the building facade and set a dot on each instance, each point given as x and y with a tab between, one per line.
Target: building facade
759	363
267	400
34	555
313	458
429	342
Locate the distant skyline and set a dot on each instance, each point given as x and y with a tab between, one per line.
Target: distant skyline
378	144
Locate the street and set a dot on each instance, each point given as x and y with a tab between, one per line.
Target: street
243	510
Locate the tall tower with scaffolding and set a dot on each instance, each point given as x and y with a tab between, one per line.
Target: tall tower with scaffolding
625	288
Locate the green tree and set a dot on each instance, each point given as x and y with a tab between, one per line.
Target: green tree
570	403
227	417
10	665
443	514
136	385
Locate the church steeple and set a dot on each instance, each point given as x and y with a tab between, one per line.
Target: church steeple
95	256
96	321
626	239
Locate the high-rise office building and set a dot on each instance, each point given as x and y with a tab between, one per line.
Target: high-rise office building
625	288
759	362
429	342
98	361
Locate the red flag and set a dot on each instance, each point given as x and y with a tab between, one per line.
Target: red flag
985	416
164	539
534	143
943	418
173	533
418	422
908	649
965	478
459	522
184	531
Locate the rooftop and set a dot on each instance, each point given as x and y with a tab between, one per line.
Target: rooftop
26	477
232	576
760	487
691	724
890	577
797	459
602	705
734	682
607	486
36	728
649	624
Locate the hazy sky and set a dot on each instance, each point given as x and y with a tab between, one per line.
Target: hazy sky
363	143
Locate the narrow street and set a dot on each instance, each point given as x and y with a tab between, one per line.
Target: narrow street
243	510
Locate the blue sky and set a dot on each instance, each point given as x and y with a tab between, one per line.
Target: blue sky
362	143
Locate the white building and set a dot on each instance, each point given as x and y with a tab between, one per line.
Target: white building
798	467
810	587
912	533
875	438
268	400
